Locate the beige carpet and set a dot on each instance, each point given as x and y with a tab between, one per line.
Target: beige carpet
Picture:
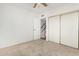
39	48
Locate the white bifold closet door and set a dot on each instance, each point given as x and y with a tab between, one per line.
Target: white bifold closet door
69	29
54	29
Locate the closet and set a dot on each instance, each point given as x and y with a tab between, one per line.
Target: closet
64	29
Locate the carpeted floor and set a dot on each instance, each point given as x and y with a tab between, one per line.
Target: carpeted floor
39	48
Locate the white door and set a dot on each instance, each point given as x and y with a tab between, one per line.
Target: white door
69	29
54	29
36	29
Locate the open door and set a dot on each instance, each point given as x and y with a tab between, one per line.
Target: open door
43	28
36	29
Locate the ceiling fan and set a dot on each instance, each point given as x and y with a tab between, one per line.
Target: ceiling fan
43	4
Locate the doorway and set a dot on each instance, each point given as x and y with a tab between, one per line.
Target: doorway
43	29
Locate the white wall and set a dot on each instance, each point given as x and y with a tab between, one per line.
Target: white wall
16	25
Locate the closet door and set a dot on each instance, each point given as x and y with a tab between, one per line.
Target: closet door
54	29
69	29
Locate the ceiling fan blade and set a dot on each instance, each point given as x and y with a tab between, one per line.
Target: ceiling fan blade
44	4
35	5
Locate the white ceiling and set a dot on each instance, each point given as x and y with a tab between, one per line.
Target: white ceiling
51	6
